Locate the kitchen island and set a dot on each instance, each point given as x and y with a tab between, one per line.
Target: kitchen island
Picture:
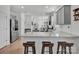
53	37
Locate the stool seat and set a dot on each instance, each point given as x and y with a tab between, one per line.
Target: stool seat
29	44
69	44
26	44
47	44
63	46
61	42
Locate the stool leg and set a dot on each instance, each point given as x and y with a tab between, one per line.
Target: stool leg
58	49
50	49
33	50
42	50
70	50
62	50
65	49
25	50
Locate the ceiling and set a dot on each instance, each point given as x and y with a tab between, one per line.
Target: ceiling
34	9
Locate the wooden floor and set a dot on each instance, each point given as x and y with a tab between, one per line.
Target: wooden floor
15	48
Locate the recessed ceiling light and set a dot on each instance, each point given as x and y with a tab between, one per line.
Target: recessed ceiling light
22	7
52	9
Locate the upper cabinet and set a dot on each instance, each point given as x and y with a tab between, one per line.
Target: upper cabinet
64	15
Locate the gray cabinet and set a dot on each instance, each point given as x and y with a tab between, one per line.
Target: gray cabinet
64	15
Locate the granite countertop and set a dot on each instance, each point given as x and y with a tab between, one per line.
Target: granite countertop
49	34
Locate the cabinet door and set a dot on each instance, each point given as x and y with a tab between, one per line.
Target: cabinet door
3	30
57	17
67	14
64	15
60	16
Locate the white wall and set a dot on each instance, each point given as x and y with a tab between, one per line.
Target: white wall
75	24
22	23
74	27
4	25
27	19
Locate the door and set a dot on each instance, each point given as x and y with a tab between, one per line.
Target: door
3	30
10	31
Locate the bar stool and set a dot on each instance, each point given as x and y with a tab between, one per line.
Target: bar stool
69	45
27	45
47	44
61	45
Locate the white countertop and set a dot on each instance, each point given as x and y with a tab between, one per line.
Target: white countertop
50	34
